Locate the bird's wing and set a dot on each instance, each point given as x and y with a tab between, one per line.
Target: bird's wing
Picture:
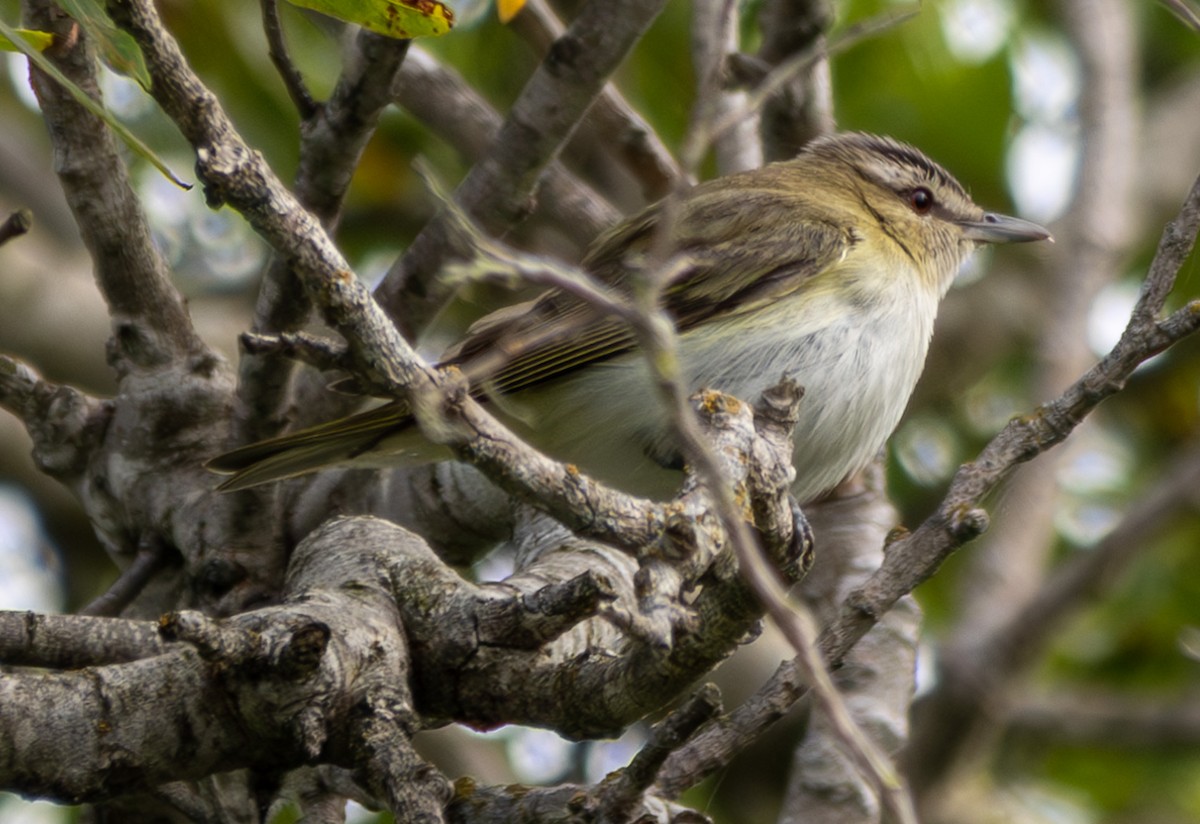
740	255
299	452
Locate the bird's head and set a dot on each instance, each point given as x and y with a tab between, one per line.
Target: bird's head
916	204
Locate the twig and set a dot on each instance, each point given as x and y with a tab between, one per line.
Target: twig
439	97
1019	640
278	51
658	341
793	66
1183	10
149	559
333	139
618	796
1011	565
495	261
324	354
914	558
1107	720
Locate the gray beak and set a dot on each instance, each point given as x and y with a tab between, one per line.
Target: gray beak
996	228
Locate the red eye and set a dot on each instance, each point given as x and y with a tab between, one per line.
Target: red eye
921	199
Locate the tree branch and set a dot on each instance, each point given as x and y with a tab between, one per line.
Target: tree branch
151	325
611	121
73	642
715	36
439	97
801	108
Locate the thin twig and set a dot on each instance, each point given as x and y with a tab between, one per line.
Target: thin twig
149	559
323	353
657	340
1183	10
914	558
438	96
1011	565
618	797
278	51
1020	639
334	137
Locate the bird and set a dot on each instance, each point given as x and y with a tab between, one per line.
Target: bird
827	268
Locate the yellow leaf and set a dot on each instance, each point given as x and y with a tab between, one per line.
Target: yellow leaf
508	9
402	19
40	40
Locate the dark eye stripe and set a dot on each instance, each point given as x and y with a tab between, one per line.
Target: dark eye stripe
919	163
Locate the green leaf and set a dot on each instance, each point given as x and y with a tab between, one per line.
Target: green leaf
91	105
118	49
402	19
40	40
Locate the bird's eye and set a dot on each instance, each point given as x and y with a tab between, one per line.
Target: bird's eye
921	200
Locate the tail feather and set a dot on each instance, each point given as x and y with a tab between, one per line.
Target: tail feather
336	443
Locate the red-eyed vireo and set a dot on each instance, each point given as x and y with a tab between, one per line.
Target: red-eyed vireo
828	267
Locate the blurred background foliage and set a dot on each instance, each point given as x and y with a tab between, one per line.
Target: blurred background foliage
991	88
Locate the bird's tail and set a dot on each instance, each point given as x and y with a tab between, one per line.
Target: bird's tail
337	443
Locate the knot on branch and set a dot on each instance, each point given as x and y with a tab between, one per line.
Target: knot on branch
259	644
231	172
966	523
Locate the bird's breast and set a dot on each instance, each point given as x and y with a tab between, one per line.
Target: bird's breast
858	359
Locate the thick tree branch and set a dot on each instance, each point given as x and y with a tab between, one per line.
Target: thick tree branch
801	108
72	642
611	121
151	325
319	676
876	677
439	97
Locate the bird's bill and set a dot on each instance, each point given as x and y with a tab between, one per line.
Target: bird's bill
994	228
